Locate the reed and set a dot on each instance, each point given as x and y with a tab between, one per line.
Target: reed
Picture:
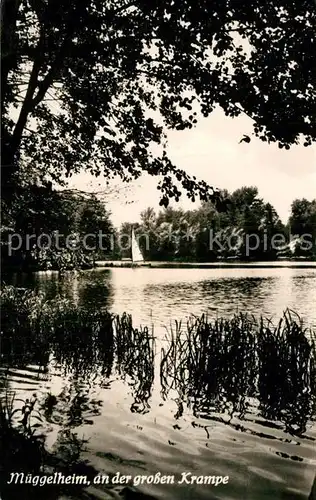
32	327
217	364
211	364
86	343
214	366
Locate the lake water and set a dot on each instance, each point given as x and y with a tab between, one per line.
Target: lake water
263	458
160	295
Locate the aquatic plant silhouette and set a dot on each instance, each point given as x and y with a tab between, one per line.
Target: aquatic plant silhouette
84	343
135	360
245	367
217	366
213	365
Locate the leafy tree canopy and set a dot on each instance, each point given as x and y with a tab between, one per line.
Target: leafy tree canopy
303	217
95	83
35	229
175	234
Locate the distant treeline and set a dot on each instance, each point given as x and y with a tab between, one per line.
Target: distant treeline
246	228
48	229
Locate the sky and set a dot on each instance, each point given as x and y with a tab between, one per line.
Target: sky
212	152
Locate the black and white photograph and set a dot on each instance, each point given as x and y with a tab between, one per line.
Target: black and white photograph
158	250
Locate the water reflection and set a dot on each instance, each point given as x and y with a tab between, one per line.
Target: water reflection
219	405
159	296
94	290
97	291
72	407
86	346
228	367
222	367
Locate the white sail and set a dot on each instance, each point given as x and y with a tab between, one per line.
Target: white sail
137	255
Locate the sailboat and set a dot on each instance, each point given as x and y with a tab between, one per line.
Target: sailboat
136	259
137	256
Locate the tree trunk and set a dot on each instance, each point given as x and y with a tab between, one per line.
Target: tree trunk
9	166
9	42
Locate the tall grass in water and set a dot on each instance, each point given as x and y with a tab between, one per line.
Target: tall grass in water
212	365
216	365
24	315
32	325
135	360
84	342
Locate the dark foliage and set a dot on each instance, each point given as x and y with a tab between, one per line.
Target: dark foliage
43	228
83	82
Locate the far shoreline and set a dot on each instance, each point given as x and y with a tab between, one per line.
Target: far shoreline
208	265
123	264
